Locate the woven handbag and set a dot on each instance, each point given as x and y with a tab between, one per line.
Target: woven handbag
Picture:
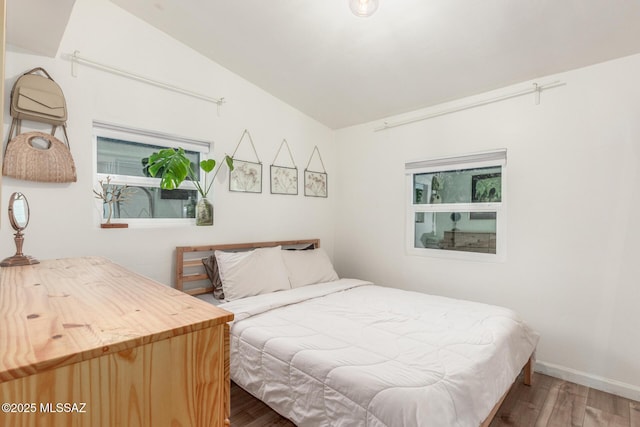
38	156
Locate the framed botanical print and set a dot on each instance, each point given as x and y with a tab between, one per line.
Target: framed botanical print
284	180
315	184
246	177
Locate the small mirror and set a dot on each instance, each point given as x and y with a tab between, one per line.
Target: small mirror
19	218
18	211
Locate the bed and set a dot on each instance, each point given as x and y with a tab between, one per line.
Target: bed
346	352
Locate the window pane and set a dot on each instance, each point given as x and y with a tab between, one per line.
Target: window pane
479	185
125	158
120	157
149	202
456	231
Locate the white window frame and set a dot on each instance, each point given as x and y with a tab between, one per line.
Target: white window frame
461	162
123	133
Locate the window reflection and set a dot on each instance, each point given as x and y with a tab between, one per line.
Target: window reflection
453	186
456	231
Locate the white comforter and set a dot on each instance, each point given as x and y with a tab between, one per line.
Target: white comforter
348	353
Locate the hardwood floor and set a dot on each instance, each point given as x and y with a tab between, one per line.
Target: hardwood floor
553	402
247	411
549	402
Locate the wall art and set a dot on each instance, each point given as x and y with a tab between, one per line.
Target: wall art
246	176
284	179
315	182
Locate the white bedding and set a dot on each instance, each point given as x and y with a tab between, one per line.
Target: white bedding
347	353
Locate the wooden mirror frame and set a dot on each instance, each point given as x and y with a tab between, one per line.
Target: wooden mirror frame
15	197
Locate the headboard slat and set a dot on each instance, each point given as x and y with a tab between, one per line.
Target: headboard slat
192	263
194	277
190	258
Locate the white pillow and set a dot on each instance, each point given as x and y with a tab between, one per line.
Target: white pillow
255	272
308	267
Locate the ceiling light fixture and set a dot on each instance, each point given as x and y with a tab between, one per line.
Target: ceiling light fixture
363	8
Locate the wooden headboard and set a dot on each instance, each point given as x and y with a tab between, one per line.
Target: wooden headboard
189	267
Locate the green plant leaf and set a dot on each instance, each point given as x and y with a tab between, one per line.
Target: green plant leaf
173	165
229	161
208	165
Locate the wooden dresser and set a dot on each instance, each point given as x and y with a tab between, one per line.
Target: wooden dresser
85	342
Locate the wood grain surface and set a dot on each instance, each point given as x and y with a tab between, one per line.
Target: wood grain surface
112	347
551	402
157	384
65	311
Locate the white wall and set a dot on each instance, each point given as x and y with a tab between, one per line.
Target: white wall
572	267
64	219
572	264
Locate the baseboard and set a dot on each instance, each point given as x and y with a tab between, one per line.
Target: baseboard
618	388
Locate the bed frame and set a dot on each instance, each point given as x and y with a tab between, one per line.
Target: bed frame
527	378
189	268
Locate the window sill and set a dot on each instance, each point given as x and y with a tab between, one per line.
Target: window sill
152	223
457	255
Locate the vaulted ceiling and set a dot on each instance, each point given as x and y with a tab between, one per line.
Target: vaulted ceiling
37	25
344	70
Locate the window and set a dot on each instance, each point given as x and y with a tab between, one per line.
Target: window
456	206
119	156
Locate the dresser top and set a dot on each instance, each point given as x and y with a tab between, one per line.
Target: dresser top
65	311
